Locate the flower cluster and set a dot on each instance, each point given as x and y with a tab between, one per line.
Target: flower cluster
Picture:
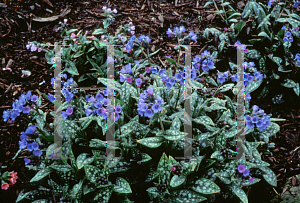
142	82
130	44
67	93
177	31
98	106
34	46
126	74
239	46
11	177
222	77
288	37
145	40
148	103
296	4
108	10
205	61
242	170
33	147
22	105
259	118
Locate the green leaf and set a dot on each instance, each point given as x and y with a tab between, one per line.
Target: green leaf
297	89
62	168
163	169
207	3
97	143
83	159
226	87
177	181
103	194
71	68
224	177
145	158
240	26
176	124
269	176
253	54
253	85
41	174
174	135
151	142
204	120
153	192
271	130
80	53
264	35
170	60
187	196
205	186
70	31
239	193
106	23
92	172
221	46
76	191
99	31
289	83
137	52
247	183
122	186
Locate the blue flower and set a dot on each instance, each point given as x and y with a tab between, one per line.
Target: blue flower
168	85
138	81
283	28
156	108
51	97
169	32
128	68
150	90
26	109
290	39
247	118
99	97
288	34
22	144
27	161
37	152
249	125
149	113
254	119
178	76
248	96
246	173
193	36
64	115
221	78
118	109
153	70
35	146
6	115
159	100
34	98
88	112
30	147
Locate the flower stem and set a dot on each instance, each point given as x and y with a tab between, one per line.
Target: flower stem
161	125
219	11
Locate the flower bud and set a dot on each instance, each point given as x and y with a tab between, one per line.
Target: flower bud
65	21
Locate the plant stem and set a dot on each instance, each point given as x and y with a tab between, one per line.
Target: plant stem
177	98
219	11
178	54
224	12
161	125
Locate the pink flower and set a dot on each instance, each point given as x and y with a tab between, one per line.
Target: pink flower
13	181
109	10
14	174
129	80
225	29
4	186
65	21
73	35
130	23
251	180
115	11
39	49
173	168
132	32
92	37
297	28
105	40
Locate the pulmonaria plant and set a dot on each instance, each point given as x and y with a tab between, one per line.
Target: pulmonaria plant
205	61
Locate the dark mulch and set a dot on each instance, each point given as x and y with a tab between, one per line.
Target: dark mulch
17	28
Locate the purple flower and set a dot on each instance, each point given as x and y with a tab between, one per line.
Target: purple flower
52	155
251	179
115	11
150	90
31	129
128	68
26	109
69	111
6	115
241	168
246	172
51	97
255	108
33	48
99	97
118	109
159	100
138	81
249	125
64	115
178	76
248	118
117	116
148	69
34	98
35	145
169	32
193	36
27	161
248	96
285	39
288	34
283	28
156	108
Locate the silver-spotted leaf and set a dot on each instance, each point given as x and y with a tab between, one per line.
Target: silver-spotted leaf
151	142
187	196
239	193
205	186
177	180
122	186
83	159
41	174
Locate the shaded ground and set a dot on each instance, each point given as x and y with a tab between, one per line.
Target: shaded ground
151	18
